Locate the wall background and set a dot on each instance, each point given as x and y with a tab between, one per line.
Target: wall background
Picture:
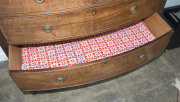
2	55
169	3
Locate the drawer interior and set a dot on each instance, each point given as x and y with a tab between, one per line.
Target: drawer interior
90	49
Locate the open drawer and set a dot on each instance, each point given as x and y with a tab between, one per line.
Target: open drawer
88	72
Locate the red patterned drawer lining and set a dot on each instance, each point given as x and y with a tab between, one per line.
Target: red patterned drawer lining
68	53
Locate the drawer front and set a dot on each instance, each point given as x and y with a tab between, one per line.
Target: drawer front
90	72
31	6
70	25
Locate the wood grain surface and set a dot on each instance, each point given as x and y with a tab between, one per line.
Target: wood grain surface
9	7
15	57
157	25
16	8
161	8
76	24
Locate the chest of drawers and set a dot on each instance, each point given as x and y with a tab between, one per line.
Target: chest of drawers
44	23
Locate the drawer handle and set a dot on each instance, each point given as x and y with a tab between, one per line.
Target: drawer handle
141	57
39	1
133	9
47	28
60	80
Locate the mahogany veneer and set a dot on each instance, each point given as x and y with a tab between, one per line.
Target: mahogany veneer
70	25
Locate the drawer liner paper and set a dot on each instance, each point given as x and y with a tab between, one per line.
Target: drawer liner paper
66	53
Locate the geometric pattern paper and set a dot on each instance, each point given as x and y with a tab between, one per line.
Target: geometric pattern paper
66	53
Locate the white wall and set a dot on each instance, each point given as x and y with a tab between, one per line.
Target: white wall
171	3
3	57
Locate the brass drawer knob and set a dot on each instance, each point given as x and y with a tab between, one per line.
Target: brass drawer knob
60	80
133	9
39	1
47	28
141	57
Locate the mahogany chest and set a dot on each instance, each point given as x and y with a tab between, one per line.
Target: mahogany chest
64	43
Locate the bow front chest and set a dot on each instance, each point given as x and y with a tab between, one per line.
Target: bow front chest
64	43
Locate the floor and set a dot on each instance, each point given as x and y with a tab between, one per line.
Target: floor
151	82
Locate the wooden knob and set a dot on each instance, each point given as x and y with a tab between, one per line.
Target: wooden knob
39	1
60	80
47	28
133	9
